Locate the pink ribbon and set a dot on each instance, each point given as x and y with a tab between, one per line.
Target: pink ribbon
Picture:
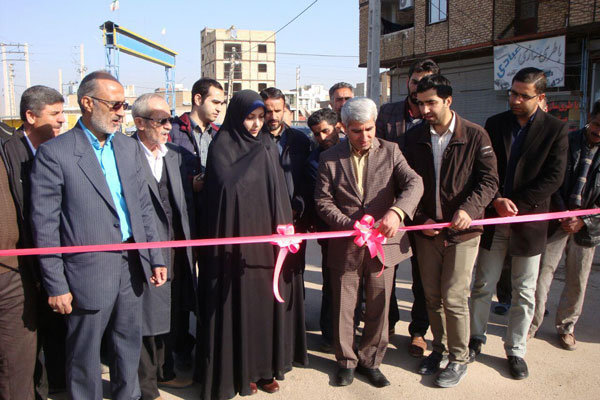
285	245
362	228
366	234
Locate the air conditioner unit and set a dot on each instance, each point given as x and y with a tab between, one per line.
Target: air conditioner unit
405	4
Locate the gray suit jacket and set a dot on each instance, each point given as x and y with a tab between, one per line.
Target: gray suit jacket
388	182
71	205
157	300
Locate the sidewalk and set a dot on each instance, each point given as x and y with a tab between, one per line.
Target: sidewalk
554	373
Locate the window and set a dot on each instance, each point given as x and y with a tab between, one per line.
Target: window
262	86
237	86
526	17
438	10
262	48
230	49
237	70
262	67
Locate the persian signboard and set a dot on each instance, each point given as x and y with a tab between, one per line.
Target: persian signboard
546	54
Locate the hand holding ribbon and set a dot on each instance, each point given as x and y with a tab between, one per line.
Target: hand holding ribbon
366	234
285	245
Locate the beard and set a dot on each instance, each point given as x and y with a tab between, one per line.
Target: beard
100	123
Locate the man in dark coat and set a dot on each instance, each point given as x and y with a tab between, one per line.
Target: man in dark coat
531	148
42	114
393	121
575	236
171	197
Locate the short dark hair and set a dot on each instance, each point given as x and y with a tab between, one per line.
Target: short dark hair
272	93
340	85
202	87
324	114
36	98
88	86
532	75
595	109
424	65
438	82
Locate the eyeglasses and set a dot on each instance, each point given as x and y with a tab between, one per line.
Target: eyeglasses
524	97
113	105
160	121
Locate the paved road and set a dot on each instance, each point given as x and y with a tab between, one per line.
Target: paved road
554	372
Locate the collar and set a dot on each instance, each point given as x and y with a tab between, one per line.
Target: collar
194	125
354	152
450	129
93	139
33	149
162	151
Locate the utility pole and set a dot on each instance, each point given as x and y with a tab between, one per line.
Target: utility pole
27	75
82	67
296	113
373	62
60	84
11	88
232	62
5	75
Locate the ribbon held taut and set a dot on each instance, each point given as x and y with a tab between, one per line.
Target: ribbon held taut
366	234
285	245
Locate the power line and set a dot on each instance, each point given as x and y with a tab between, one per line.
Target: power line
284	26
316	55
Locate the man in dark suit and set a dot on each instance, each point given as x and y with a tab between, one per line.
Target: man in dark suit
171	195
88	187
531	148
42	114
294	149
17	295
359	176
393	121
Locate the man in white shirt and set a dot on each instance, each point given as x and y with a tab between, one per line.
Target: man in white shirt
171	195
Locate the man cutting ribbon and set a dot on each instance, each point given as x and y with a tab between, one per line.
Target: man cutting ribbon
364	175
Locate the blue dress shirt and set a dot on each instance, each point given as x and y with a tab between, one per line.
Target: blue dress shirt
108	163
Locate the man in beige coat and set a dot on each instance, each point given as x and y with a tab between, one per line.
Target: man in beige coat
362	176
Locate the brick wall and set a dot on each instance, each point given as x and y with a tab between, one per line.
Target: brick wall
363	33
468	27
552	14
582	12
504	18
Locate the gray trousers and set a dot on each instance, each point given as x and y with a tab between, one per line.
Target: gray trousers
446	275
524	273
122	321
578	264
344	288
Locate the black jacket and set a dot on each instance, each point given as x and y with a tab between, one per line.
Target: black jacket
589	235
468	176
538	174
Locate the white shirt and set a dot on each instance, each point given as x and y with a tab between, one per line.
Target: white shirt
156	163
439	142
33	149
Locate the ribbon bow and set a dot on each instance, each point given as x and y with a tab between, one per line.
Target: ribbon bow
366	234
285	246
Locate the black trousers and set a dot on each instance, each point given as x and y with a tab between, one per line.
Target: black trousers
17	336
326	320
419	318
152	358
50	366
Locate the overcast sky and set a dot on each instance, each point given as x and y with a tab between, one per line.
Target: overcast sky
55	29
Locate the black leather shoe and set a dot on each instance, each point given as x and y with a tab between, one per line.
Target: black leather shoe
518	367
474	348
450	376
344	376
374	376
431	364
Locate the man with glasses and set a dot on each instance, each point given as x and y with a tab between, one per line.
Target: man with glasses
88	188
171	196
531	148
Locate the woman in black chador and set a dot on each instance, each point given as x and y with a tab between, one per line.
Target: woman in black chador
245	337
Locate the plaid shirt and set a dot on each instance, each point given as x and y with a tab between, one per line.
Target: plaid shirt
439	142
